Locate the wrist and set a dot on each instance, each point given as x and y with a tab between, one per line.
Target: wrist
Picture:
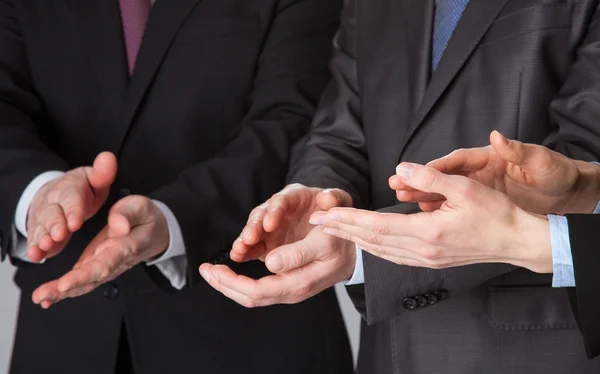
531	247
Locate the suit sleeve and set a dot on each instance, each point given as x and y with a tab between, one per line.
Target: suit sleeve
212	199
583	233
334	154
23	155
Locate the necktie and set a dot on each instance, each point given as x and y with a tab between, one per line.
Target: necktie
134	16
447	15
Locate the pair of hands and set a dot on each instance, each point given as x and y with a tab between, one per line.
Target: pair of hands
479	205
136	230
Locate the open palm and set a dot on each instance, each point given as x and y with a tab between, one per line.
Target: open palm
284	219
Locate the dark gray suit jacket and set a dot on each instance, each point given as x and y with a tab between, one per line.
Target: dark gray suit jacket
529	68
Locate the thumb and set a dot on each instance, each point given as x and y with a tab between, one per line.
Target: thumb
126	214
430	180
291	256
104	171
512	151
333	198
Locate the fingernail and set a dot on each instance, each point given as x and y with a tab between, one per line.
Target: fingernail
54	231
214	275
405	171
275	263
205	274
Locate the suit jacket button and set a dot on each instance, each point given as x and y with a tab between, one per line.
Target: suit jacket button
441	295
111	291
421	301
409	303
431	299
123	192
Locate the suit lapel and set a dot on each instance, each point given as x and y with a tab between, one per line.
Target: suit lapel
166	19
476	20
100	23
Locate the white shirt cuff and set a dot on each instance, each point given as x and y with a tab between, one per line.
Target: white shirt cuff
25	201
358	277
173	263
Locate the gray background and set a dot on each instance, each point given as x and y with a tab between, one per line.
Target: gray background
9	296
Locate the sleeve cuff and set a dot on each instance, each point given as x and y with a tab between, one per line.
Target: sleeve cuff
173	263
25	201
562	257
358	277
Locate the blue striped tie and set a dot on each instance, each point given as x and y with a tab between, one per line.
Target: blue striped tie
447	15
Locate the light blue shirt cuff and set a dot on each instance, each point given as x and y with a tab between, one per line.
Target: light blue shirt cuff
358	277
562	257
597	210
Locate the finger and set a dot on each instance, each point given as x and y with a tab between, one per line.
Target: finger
47	292
55	225
205	271
377	223
71	200
104	171
35	254
108	264
269	290
430	180
396	183
399	251
254	230
334	197
291	256
286	201
417	196
430	206
128	213
462	161
244	253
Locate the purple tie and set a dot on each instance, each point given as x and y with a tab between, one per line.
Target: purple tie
134	16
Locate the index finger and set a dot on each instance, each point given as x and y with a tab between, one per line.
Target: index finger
382	223
462	161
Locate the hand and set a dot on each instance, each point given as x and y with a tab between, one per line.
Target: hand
475	224
283	219
303	269
534	177
62	205
137	231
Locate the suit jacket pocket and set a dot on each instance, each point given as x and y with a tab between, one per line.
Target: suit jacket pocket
203	28
535	18
518	308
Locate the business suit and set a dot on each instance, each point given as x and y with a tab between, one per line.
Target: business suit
528	68
583	232
221	91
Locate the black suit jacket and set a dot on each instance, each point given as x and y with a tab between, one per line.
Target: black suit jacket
583	233
528	68
221	91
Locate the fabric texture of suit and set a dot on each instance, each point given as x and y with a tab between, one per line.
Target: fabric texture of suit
222	89
583	235
528	68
